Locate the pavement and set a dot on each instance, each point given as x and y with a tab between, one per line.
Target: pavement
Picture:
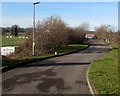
59	75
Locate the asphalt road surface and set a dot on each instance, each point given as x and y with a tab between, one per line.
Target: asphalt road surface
59	75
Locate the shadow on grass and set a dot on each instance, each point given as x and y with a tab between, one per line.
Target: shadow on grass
115	48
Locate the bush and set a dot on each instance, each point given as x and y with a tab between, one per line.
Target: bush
77	35
50	34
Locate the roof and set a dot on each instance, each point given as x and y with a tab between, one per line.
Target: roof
90	34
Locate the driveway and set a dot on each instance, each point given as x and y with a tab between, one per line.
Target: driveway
60	75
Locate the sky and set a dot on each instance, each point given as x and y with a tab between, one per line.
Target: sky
73	13
61	0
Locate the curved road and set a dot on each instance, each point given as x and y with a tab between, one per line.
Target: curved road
60	75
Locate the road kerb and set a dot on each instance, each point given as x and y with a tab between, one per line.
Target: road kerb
110	47
92	91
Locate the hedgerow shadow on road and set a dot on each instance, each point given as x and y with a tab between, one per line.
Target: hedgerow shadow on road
92	44
96	48
53	63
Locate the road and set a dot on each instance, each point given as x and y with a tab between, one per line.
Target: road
59	75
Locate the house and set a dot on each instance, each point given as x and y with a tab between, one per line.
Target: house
90	36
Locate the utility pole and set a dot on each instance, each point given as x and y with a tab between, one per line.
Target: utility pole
33	45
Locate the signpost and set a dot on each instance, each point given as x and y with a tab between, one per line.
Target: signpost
7	50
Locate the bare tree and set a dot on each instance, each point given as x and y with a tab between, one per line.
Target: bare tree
106	32
50	33
14	30
102	32
77	35
85	26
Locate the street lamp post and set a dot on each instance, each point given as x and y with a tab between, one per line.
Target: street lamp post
33	46
109	33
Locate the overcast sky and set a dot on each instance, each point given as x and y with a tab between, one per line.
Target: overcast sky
73	13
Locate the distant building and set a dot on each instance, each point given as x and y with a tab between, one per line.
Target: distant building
90	36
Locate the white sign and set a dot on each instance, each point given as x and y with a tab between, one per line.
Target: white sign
7	50
55	53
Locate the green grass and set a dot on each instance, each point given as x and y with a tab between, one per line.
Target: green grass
61	50
103	73
14	41
69	48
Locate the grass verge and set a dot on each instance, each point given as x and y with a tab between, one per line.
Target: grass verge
103	73
14	41
61	50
